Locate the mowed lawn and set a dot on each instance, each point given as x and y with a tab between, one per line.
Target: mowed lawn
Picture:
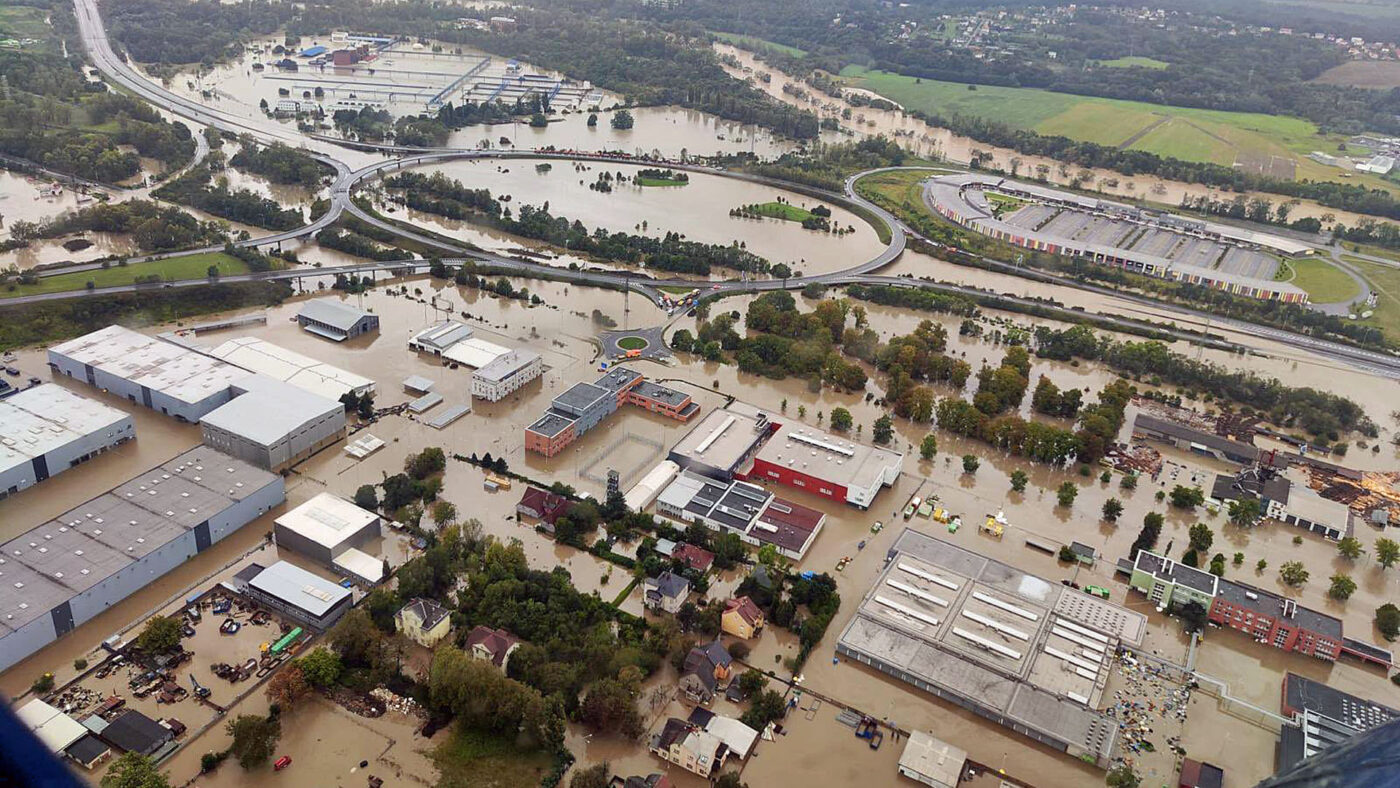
195	266
752	43
1325	282
1134	61
1190	134
1385	280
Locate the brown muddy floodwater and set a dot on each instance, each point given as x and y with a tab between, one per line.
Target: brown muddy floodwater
818	751
937	142
698	210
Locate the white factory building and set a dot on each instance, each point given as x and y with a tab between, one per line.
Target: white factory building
47	429
331	530
272	424
160	375
497	371
506	373
71	569
300	595
263	357
335	319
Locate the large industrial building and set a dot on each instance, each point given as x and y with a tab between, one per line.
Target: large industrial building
1322	717
1190	439
506	374
722	442
584	406
263	357
160	375
300	595
335	319
437	338
331	530
67	571
1279	499
744	509
830	466
272	424
48	429
497	371
1020	650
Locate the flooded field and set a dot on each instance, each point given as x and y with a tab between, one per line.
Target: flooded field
698	210
937	142
819	751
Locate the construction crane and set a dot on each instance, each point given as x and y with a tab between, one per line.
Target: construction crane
200	691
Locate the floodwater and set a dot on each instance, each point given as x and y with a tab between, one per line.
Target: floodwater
817	751
937	142
698	210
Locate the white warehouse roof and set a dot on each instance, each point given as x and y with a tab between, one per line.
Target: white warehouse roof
474	352
268	410
441	336
327	519
51	726
40	419
263	357
178	372
300	588
333	312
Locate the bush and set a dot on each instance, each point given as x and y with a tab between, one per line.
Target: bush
42	685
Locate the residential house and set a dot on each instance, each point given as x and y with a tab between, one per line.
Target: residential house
706	668
667	592
423	621
688	746
697	558
742	618
543	505
493	645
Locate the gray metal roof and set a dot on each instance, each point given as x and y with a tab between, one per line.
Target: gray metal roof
332	312
269	410
660	393
503	366
551	424
581	396
1272	605
1173	571
299	588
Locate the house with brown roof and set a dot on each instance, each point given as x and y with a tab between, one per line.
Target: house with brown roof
742	618
697	558
543	505
492	645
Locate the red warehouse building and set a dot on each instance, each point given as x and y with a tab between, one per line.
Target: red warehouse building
829	466
1277	621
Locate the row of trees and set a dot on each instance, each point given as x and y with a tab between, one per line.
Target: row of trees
279	163
154	227
243	206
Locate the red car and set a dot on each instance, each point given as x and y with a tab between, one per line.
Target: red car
282	763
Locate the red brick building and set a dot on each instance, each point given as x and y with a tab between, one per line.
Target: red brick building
1277	621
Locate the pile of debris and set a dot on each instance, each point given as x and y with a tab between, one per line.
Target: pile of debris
359	702
1137	457
398	703
1372	492
76	699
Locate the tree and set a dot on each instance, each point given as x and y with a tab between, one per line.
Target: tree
928	446
444	513
1066	494
611	707
321	667
287	686
254	738
1111	509
1293	573
1122	776
1387	552
1244	512
1128	482
764	708
730	780
1388	620
1018	480
592	120
161	634
367	498
971	463
595	776
841	420
1193	616
622	119
883	430
751	682
1183	497
134	770
1261	565
1342	587
1201	537
1350	548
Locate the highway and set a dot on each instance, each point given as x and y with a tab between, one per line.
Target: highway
327	150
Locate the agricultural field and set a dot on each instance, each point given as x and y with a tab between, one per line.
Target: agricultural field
753	43
1274	145
1134	61
22	21
1376	74
1325	282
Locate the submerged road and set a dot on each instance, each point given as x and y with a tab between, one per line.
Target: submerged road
94	37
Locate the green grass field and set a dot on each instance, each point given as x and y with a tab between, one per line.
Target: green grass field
660	182
1191	134
781	210
468	758
632	343
22	21
1134	61
751	43
176	268
1325	282
1385	280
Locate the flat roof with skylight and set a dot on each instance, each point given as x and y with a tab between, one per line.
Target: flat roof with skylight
328	520
263	357
40	419
175	371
